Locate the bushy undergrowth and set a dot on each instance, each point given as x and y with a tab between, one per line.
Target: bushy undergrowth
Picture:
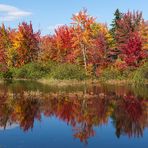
1	75
67	72
54	70
112	73
31	71
6	75
140	75
137	77
47	70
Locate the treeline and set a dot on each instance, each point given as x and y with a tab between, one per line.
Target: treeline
86	43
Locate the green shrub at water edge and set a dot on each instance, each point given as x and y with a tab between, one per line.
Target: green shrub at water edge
140	75
7	75
112	73
1	75
49	70
67	72
30	71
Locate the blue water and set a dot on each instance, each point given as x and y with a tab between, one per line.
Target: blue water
56	130
54	133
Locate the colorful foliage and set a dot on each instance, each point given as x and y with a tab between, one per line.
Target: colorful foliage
85	42
4	45
129	39
26	44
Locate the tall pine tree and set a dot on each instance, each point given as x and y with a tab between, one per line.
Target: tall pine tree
118	15
114	26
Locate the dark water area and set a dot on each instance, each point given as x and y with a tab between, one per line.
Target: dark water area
35	115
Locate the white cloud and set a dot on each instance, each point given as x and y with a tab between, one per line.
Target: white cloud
10	13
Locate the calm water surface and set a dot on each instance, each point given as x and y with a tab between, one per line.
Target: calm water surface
33	115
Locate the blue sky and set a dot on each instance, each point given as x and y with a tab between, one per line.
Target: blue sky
46	14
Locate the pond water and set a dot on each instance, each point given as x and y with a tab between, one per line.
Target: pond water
34	115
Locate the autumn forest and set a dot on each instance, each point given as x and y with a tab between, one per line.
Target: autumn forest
84	49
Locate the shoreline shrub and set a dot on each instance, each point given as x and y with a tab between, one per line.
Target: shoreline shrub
140	75
68	72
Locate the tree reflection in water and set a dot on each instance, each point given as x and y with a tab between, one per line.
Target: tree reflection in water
82	110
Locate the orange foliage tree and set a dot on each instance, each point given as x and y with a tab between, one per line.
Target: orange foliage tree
26	44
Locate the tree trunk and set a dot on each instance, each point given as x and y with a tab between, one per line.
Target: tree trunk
84	56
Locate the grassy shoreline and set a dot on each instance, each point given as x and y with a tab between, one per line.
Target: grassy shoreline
78	82
87	82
